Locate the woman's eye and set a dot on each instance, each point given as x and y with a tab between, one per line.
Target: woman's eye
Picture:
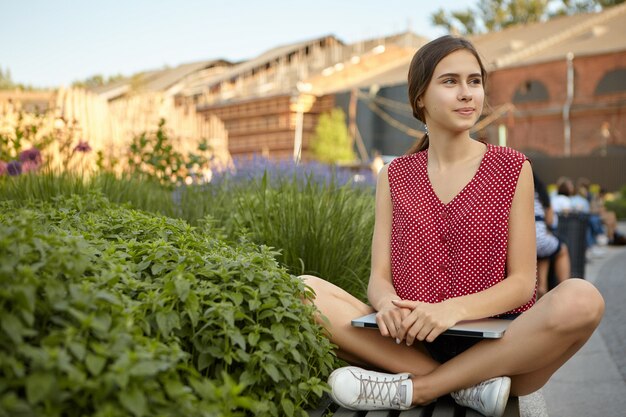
476	81
448	81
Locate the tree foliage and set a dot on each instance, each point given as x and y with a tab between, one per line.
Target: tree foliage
331	142
494	15
5	79
97	81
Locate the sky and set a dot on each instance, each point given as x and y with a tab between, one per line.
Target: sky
50	43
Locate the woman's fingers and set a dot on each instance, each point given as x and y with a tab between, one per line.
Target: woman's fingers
408	304
389	322
382	326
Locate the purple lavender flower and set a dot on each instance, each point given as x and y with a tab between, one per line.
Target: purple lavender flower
14	168
83	146
31	155
29	166
307	172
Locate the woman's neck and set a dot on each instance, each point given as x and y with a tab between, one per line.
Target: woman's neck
447	151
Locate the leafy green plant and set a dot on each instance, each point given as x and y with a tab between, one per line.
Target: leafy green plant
152	155
319	228
108	311
21	131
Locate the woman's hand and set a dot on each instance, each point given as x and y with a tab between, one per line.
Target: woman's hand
425	322
389	319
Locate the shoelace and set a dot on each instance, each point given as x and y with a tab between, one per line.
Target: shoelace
373	389
471	396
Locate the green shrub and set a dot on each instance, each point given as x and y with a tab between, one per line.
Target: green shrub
107	311
320	229
152	155
331	141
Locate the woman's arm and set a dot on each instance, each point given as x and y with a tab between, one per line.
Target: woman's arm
427	321
380	290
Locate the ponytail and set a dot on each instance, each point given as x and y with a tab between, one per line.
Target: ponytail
420	145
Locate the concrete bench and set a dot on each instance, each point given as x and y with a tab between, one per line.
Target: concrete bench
443	407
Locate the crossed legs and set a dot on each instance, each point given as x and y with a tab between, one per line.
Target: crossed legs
536	344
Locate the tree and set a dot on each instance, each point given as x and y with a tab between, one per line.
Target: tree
97	81
6	83
494	15
331	141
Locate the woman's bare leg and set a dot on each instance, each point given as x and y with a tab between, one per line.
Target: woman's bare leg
364	347
609	219
536	344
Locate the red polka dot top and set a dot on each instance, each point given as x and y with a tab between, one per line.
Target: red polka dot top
441	251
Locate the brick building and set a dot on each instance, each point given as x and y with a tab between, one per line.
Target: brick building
566	81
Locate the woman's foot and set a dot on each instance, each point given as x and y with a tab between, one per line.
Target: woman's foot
489	397
359	389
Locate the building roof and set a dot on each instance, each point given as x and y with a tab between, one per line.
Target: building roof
164	79
581	34
155	80
268	56
377	66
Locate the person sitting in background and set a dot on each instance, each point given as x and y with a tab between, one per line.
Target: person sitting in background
581	198
609	220
561	202
581	202
549	247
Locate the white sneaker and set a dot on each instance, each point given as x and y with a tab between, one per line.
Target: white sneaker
594	253
489	397
602	240
359	389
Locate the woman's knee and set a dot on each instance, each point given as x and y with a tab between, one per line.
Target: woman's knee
322	288
576	304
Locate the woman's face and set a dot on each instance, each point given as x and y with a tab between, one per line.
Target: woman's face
454	98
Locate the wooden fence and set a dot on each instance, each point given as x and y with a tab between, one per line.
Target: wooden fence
110	126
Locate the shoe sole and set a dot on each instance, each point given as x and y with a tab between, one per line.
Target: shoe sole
503	397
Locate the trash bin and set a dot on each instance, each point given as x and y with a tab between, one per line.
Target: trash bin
572	229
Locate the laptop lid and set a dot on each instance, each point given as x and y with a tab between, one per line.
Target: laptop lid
488	328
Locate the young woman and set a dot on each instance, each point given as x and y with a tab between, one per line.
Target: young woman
453	240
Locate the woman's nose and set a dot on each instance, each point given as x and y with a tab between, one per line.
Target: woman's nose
465	94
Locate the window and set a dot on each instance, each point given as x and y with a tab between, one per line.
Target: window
529	91
613	82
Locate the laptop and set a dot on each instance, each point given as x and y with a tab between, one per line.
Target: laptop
488	328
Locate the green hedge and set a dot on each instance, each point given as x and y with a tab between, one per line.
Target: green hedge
108	311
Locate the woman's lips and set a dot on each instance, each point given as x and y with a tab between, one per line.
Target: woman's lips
465	111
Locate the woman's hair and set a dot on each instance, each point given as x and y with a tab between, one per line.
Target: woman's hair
421	72
542	192
565	186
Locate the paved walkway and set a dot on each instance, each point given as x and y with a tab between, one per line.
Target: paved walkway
593	382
